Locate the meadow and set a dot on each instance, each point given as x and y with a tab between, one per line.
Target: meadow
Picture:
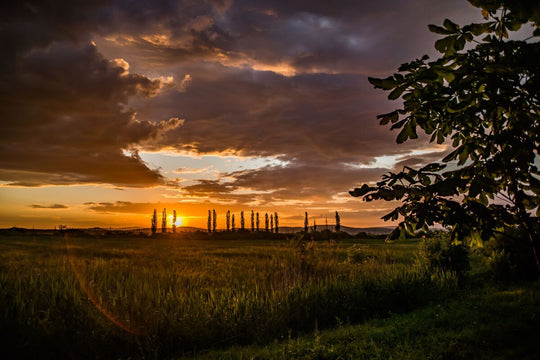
94	296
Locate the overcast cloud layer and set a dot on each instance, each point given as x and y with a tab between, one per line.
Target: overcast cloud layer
85	86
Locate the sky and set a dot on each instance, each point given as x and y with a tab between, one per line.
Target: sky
110	109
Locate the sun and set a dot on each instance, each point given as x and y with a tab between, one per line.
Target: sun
178	221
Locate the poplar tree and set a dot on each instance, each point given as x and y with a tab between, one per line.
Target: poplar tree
174	222
276	222
265	221
306	222
228	220
242	221
154	222
252	221
209	224
164	221
233	226
258	222
214	220
338	222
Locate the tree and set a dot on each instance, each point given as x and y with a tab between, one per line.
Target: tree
252	221
338	222
482	98
276	222
306	223
265	221
314	226
174	221
209	224
214	220
258	223
242	227
233	226
228	220
164	221
154	222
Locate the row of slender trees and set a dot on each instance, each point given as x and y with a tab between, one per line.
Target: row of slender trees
271	223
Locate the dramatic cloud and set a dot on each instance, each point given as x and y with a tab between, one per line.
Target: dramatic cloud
88	86
64	118
53	206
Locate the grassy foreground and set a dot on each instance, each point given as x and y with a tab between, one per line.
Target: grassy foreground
490	323
92	296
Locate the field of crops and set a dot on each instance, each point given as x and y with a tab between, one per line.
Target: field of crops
73	295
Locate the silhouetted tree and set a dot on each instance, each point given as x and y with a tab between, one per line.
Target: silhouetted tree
242	221
214	220
265	221
258	222
306	222
174	222
338	222
154	222
252	221
164	221
483	94
228	220
276	222
271	222
233	226
209	224
314	225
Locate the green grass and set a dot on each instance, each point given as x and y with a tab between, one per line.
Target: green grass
491	323
84	296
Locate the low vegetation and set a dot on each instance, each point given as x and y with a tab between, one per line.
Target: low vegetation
95	297
77	295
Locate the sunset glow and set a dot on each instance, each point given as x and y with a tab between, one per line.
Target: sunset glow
206	105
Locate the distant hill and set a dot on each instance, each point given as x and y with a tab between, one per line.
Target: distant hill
381	230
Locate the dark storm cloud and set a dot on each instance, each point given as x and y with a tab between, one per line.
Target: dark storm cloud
64	118
64	111
309	36
281	183
311	118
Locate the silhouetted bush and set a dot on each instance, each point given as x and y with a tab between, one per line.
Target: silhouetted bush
439	253
509	256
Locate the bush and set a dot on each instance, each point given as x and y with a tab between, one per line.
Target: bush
359	253
440	254
509	256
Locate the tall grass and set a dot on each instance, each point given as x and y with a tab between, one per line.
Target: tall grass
144	297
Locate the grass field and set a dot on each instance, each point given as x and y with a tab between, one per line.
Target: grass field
75	295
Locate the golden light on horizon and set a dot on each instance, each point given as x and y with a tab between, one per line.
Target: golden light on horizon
178	222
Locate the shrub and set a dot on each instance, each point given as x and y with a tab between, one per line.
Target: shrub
509	257
358	253
440	254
